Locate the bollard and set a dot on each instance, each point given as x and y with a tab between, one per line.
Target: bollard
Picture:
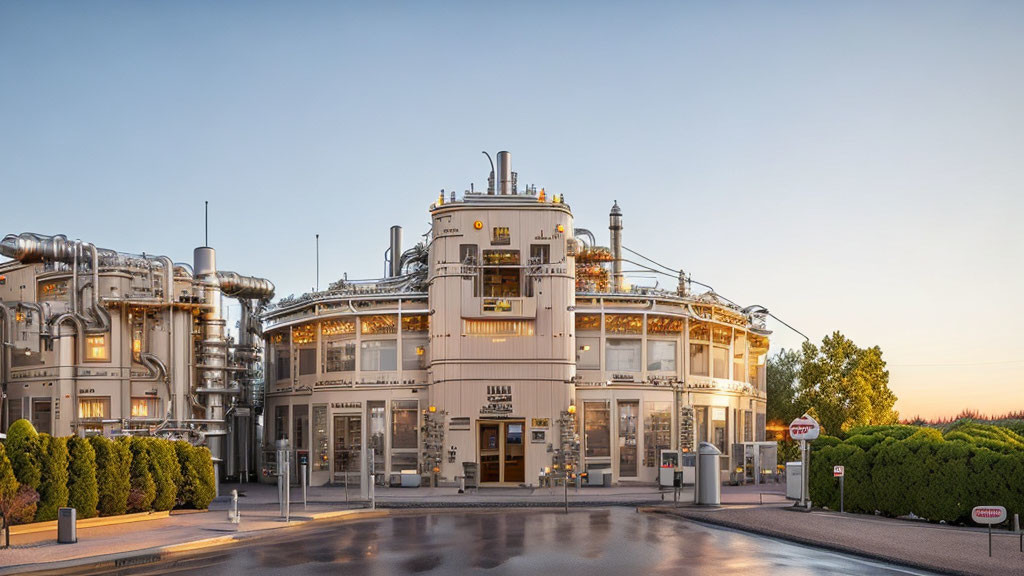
841	501
1016	528
565	488
233	516
462	484
302	469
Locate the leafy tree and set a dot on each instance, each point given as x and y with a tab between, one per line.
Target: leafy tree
113	466
197	481
166	472
23	449
143	488
83	492
53	485
783	369
8	490
846	386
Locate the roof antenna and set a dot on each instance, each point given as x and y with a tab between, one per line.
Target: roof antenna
317	262
206	223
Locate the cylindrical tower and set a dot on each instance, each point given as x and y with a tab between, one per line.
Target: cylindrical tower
504	175
211	358
396	252
615	228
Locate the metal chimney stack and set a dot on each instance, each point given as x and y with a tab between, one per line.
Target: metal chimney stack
504	174
615	228
396	251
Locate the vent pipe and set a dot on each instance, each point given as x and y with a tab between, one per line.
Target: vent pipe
615	228
396	252
504	174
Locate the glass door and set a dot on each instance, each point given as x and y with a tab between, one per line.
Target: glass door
628	416
490	452
347	449
514	468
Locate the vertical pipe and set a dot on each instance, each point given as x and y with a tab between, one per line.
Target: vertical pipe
212	351
504	174
317	262
615	229
396	252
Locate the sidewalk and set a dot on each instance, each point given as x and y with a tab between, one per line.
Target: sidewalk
944	549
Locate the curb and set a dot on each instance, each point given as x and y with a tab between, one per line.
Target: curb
700	518
51	525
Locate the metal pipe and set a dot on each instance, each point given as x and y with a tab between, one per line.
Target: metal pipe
237	286
79	325
7	343
584	232
615	229
396	251
504	174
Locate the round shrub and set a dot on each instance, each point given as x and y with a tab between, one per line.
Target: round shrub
53	484
23	450
143	488
83	492
113	467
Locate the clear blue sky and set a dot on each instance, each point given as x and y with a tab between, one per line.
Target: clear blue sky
850	165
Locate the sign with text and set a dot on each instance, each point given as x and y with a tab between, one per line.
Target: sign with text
988	514
838	471
804	428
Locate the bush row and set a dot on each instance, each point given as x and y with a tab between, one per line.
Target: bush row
98	476
903	470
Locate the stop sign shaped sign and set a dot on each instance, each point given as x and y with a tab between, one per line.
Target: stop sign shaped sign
804	428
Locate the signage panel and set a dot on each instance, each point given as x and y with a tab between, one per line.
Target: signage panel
988	514
804	428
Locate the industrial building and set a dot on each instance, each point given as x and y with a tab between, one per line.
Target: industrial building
509	346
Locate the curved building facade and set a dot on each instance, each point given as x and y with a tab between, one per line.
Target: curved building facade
511	347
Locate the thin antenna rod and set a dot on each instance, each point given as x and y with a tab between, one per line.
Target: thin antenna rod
317	262
206	223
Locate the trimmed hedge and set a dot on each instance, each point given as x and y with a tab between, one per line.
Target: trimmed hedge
113	467
198	486
166	472
53	485
902	470
83	491
142	489
23	450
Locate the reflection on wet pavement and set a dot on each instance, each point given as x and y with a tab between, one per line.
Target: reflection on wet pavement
602	541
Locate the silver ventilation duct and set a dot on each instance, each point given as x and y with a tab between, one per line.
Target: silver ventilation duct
234	285
504	174
615	229
396	252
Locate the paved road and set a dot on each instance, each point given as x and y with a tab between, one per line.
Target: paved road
615	541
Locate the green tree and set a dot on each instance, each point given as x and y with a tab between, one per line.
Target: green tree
846	386
8	491
166	472
783	369
197	481
53	485
23	450
83	492
143	488
113	475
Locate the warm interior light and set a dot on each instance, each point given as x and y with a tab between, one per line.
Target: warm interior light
478	225
561	228
572	408
432	409
585	347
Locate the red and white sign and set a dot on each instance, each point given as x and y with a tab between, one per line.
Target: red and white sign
838	471
988	514
804	428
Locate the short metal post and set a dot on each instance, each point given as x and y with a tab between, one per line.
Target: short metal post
989	540
804	474
1016	528
233	514
302	469
565	487
842	507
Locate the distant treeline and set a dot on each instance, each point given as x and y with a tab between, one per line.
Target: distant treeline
1013	420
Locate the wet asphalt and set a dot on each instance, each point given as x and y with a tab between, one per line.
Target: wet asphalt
617	541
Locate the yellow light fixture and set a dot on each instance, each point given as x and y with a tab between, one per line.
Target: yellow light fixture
572	408
478	225
432	409
585	347
560	228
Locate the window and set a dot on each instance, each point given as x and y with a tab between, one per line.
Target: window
721	361
497	327
379	355
377	430
380	324
281	422
307	361
94	407
748	426
699	359
624	323
305	334
657	431
739	356
588	322
414	353
596	431
540	254
500	236
719	426
501	275
404	435
588	353
340	356
416	323
284	365
300	416
340	327
664	325
320	443
661	355
701	414
468	254
144	407
759	432
623	355
96	348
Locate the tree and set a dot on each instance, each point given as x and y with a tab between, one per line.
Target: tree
53	484
113	466
166	472
783	369
23	450
846	386
83	492
8	490
143	488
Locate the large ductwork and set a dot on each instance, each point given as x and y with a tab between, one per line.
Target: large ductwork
395	262
504	175
615	230
234	285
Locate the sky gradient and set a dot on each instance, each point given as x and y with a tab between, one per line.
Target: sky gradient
851	166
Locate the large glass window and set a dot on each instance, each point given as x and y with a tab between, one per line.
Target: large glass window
283	364
699	359
721	361
588	322
404	435
321	443
588	353
379	355
719	428
596	429
96	349
414	353
377	428
468	254
497	327
624	323
661	355
339	327
379	324
340	356
739	356
501	274
701	414
623	355
144	407
664	325
307	361
657	431
280	422
540	253
300	416
415	323
94	407
748	426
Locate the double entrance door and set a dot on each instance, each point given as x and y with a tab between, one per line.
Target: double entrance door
502	452
348	434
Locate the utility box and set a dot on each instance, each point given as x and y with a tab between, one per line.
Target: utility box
794	479
670	460
67	526
709	479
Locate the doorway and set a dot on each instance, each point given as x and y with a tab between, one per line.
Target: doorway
348	440
502	452
629	412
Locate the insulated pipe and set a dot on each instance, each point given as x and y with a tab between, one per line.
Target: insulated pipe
396	251
101	313
584	232
504	174
615	229
212	355
79	325
237	286
7	343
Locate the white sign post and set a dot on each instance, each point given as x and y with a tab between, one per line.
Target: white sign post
988	515
840	472
803	429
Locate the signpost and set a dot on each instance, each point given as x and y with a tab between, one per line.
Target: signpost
988	515
840	472
803	429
